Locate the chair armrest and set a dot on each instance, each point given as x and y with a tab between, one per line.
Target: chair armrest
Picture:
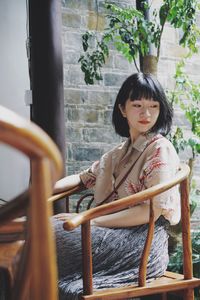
13	230
78	188
14	226
124	203
14	208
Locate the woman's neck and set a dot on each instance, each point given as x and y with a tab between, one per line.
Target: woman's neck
134	136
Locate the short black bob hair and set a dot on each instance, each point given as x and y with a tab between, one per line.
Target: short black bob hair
135	87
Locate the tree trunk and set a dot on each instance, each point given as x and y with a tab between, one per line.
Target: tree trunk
191	165
148	63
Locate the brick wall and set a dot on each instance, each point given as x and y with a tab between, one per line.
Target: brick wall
89	131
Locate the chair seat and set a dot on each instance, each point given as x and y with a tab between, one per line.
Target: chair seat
11	243
9	258
168	282
13	230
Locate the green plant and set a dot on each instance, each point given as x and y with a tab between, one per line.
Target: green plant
91	63
132	33
175	263
186	94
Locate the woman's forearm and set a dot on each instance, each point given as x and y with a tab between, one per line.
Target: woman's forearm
67	183
133	216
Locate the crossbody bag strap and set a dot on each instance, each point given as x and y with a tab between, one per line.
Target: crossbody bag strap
127	173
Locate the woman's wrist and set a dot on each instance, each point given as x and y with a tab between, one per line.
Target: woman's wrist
94	222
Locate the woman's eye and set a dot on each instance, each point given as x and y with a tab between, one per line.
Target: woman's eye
136	105
154	105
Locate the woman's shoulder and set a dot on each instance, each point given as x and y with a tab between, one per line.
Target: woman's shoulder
161	141
163	147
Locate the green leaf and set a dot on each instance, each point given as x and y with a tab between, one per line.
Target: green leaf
163	14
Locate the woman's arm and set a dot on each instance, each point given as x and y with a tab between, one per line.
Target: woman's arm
67	183
133	216
85	178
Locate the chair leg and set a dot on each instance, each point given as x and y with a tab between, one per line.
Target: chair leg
188	294
5	287
164	296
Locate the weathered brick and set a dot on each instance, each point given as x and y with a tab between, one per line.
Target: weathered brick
73	134
86	154
71	57
107	117
72	76
95	22
74	4
73	114
122	64
71	20
88	5
69	152
172	50
166	67
179	119
102	98
72	39
193	68
170	34
75	96
113	79
105	135
90	116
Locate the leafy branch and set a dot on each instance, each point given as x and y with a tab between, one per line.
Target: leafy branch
132	33
91	63
187	95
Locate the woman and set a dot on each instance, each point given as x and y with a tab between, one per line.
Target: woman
143	115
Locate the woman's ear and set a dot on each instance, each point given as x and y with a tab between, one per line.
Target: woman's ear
121	108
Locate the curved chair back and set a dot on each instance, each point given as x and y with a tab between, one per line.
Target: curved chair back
36	273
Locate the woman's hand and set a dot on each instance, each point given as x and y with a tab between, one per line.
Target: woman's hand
64	216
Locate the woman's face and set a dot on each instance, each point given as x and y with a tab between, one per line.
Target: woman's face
141	115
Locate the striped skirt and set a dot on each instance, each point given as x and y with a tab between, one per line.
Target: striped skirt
116	256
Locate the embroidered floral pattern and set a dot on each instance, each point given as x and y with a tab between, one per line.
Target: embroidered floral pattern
154	162
132	188
89	183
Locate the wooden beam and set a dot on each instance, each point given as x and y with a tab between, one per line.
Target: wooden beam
46	71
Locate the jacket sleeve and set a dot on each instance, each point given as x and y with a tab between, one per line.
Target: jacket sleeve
161	165
88	177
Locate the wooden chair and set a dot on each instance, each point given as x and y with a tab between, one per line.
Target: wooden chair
29	260
27	250
170	281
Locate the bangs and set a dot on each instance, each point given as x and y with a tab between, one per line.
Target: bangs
136	87
144	89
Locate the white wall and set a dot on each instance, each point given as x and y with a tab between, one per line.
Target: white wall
14	80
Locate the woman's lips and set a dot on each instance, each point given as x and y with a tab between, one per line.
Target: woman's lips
144	122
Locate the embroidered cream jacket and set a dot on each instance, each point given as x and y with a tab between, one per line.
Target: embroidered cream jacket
155	161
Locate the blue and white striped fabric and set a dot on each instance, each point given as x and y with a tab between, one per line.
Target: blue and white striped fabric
116	256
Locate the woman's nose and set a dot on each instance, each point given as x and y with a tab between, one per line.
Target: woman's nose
145	111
